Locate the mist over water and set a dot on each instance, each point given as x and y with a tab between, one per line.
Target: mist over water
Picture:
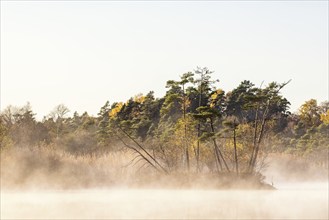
301	193
293	199
166	204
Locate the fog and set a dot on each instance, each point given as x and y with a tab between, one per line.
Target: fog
166	204
66	187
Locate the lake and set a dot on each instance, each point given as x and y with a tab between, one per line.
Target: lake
291	201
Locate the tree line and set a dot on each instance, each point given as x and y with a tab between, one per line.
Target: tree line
195	128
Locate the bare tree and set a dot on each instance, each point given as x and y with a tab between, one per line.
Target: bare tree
58	114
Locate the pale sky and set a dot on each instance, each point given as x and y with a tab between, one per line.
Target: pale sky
83	53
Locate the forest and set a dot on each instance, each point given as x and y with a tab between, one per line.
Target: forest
196	131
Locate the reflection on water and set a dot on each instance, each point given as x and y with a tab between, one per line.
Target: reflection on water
286	203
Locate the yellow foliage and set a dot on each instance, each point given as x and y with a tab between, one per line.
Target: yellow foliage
180	137
214	97
139	98
309	112
230	144
186	103
325	117
114	111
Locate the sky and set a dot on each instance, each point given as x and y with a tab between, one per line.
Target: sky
83	53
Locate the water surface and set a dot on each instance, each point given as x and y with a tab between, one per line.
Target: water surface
294	201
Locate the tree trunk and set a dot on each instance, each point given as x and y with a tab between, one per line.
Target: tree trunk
235	151
257	141
217	148
185	132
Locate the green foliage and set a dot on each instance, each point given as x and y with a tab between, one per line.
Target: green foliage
186	128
